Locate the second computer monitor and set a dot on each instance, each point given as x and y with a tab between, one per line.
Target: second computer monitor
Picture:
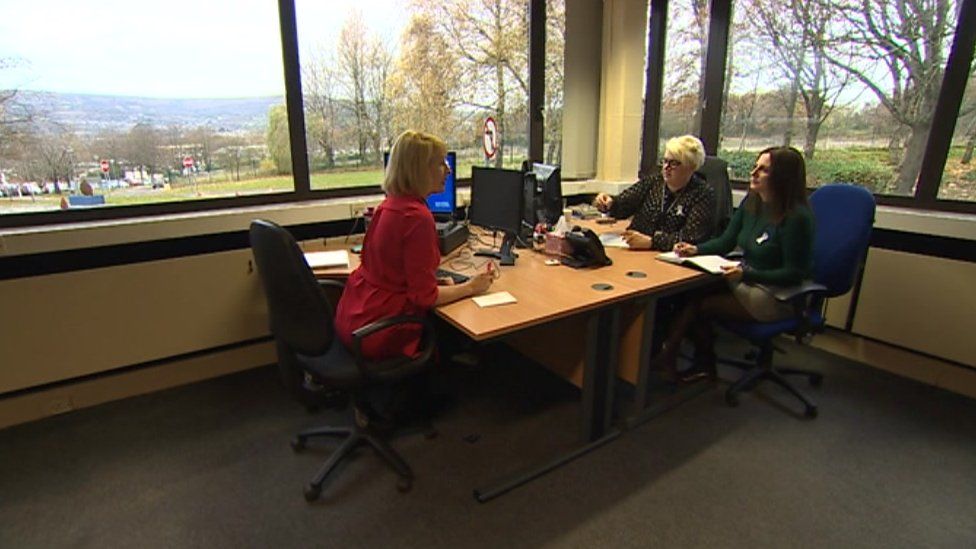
549	181
497	198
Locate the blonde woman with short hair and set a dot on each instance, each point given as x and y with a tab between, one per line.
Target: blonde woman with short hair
400	256
674	206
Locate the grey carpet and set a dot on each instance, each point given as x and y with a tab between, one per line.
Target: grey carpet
889	463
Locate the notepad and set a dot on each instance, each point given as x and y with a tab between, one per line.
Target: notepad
708	263
491	300
319	260
613	240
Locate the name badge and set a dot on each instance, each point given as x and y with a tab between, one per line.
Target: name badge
678	210
762	238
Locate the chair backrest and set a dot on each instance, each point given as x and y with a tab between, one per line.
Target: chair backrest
716	173
844	215
301	316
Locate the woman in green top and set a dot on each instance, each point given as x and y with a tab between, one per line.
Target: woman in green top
774	228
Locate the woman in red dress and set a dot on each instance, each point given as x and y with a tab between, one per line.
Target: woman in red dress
396	275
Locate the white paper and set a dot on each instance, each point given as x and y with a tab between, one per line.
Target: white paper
562	226
491	300
670	257
613	240
337	258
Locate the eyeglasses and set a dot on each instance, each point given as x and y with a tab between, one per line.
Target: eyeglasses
670	163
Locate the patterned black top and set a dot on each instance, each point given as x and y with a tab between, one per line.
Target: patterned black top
685	216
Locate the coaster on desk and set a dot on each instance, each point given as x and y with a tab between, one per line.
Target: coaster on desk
602	286
636	274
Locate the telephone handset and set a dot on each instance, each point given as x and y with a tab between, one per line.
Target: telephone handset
587	250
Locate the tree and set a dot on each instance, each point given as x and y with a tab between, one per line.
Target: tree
488	40
796	32
425	81
897	49
278	139
555	56
354	51
143	148
321	82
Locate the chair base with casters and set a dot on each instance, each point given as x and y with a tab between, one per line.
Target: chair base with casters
762	369
363	431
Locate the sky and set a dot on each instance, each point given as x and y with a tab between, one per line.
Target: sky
171	48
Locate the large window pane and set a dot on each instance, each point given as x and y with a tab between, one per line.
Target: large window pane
555	57
441	67
684	59
852	84
959	178
140	88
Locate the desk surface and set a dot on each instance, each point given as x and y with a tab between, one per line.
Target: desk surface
546	293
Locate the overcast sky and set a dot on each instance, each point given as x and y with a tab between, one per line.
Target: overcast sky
171	48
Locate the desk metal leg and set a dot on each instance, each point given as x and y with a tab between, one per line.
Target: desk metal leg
599	374
643	389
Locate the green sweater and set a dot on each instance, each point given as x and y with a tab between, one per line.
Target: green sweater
781	254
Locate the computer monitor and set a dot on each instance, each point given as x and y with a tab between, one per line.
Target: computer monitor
549	183
442	204
496	204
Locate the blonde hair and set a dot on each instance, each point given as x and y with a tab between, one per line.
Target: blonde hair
408	171
688	149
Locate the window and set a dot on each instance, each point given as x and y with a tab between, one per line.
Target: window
140	103
440	67
685	48
555	57
959	177
852	84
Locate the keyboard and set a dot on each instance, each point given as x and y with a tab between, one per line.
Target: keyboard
458	278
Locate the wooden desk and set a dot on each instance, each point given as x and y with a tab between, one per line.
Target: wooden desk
556	303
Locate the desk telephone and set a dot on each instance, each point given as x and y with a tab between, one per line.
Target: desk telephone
587	250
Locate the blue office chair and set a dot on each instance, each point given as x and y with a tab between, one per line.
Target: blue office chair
844	216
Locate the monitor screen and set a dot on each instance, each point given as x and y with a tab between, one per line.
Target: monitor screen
446	202
496	198
549	183
443	203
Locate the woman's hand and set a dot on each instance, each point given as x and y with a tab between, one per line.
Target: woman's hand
480	283
636	240
603	202
685	250
732	274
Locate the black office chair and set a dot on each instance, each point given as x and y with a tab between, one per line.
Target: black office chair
302	324
716	173
844	218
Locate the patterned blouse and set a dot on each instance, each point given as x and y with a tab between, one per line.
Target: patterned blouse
688	215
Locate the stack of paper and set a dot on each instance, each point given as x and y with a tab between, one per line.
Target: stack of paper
709	263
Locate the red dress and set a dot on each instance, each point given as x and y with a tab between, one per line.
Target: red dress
395	277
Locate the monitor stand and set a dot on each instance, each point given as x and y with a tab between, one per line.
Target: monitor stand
505	256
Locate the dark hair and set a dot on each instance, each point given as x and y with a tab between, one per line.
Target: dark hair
787	182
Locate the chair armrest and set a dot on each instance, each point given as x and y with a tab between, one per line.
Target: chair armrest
329	283
427	337
789	293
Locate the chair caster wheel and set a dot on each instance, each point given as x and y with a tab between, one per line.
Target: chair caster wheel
816	380
297	444
404	485
312	492
811	412
731	400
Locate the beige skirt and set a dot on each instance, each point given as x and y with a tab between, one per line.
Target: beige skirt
760	303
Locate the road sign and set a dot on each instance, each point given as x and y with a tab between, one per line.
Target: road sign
104	165
187	161
490	138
